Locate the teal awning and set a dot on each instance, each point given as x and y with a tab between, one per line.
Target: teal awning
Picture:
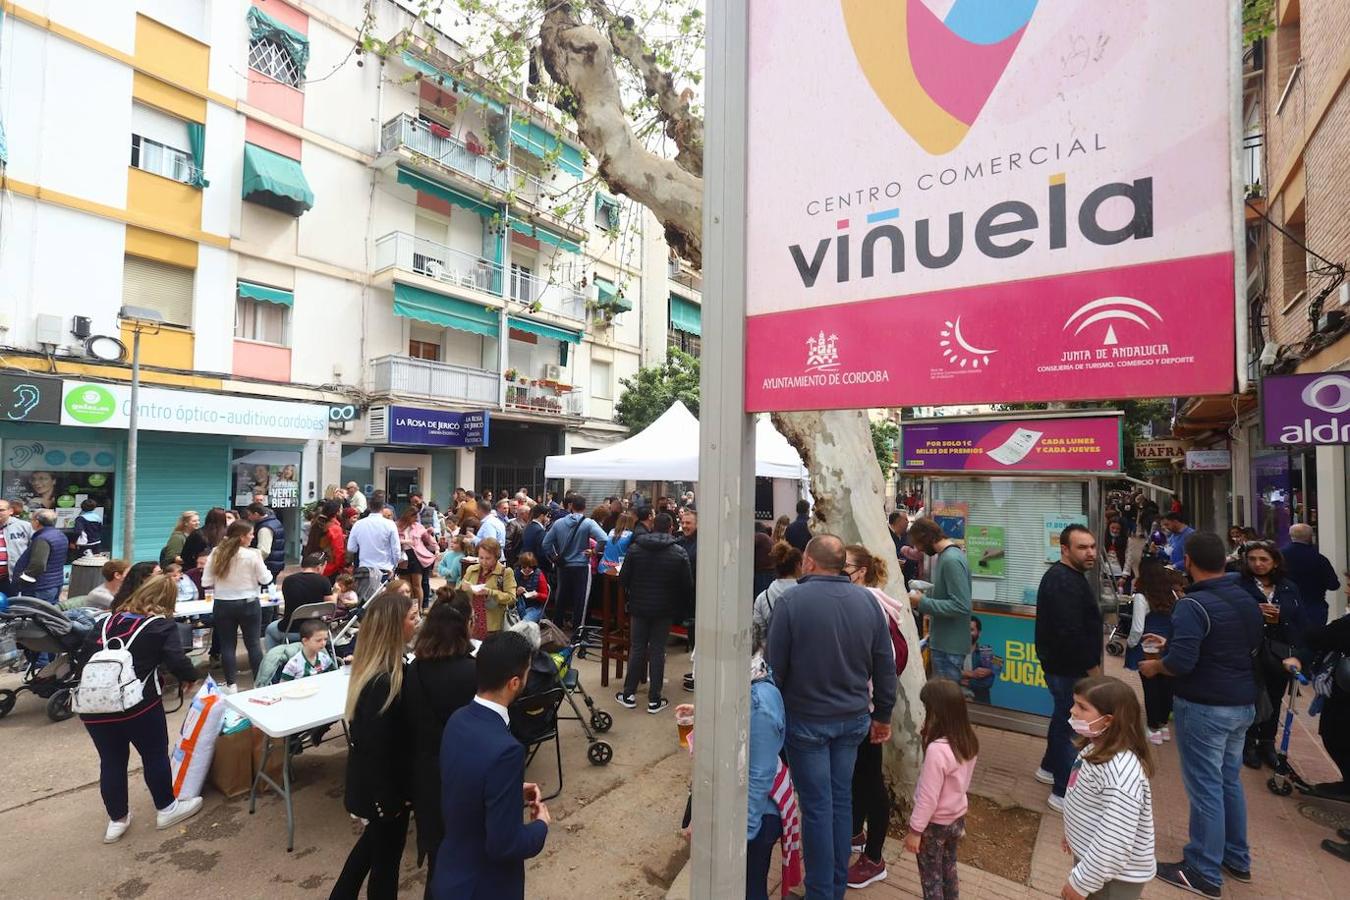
447	312
450	195
686	316
449	82
540	233
609	296
606	211
250	291
261	25
541	142
548	331
276	181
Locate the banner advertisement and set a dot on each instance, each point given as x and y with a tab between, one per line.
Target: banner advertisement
985	550
1020	682
1209	460
57	475
98	405
1085	444
274	473
1053	526
437	428
971	202
1306	409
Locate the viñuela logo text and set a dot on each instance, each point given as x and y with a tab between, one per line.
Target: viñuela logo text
90	404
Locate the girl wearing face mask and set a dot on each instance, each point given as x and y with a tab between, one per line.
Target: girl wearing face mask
1108	807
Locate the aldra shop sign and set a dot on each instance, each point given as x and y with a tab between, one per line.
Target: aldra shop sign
94	405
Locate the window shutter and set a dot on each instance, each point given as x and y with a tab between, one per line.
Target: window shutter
158	286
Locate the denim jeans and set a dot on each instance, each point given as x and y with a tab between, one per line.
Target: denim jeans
646	655
821	756
232	617
273	636
51	595
1059	749
946	665
1209	742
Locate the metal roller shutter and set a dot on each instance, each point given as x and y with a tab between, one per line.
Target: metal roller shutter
158	286
595	490
174	474
1020	506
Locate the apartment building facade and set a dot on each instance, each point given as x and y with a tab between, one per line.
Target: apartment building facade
339	266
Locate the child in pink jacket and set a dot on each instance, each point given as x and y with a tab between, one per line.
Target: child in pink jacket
938	821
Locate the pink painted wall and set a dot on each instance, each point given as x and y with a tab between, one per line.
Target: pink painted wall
285	14
262	135
253	360
281	100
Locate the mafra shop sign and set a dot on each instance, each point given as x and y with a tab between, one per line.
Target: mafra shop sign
437	427
1017	199
1306	409
93	405
1158	449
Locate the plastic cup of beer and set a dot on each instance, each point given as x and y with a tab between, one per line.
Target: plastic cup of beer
1151	646
684	722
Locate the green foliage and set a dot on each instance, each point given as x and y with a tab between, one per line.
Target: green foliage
1258	20
651	391
885	435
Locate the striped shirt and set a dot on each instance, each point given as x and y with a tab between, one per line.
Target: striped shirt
1108	822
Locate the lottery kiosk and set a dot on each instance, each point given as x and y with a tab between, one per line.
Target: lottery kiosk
1005	488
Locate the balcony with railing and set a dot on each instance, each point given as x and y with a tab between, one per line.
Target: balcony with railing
558	295
540	196
434	144
682	274
544	397
457	268
403	376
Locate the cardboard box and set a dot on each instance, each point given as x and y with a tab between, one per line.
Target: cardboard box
232	763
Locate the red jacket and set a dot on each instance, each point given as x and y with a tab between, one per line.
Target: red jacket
334	543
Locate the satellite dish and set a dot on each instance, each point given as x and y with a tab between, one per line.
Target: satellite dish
105	347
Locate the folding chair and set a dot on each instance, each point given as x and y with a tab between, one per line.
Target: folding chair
534	722
323	611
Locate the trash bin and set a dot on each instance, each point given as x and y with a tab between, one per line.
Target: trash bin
86	573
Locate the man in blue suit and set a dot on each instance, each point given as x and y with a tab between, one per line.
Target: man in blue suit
483	788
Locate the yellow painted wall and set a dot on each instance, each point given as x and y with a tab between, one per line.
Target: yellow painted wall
171	347
162	247
168	204
171	55
123	373
156	93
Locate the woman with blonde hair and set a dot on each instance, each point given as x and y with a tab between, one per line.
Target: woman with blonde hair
235	570
377	735
490	587
144	626
188	522
780	527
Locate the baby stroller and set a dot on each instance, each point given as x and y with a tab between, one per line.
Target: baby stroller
1120	632
38	628
552	668
1285	778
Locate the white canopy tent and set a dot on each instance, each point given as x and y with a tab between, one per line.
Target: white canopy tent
667	450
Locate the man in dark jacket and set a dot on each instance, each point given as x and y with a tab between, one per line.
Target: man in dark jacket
483	787
532	537
658	582
268	536
1311	572
646	519
40	571
1069	646
1216	629
827	640
799	531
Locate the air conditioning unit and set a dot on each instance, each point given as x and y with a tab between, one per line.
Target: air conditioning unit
377	424
552	372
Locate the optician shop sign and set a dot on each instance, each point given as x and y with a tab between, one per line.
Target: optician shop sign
29	398
1306	409
1079	444
95	405
437	427
970	201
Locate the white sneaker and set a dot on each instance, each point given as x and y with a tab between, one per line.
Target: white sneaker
1045	777
228	688
115	830
1154	737
1055	802
181	809
1166	733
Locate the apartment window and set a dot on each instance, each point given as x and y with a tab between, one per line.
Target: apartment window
684	341
271	59
1288	59
159	286
522	283
259	320
1294	265
602	380
427	350
606	213
157	140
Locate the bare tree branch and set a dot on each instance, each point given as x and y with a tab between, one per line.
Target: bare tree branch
681	125
580	58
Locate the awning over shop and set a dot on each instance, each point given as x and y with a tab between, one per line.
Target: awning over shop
540	142
686	316
447	312
540	233
450	195
543	330
276	181
250	291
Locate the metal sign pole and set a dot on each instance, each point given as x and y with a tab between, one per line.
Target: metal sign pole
726	478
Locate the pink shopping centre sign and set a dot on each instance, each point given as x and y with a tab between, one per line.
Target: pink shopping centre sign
958	201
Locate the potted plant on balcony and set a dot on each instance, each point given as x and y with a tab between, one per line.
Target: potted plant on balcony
512	375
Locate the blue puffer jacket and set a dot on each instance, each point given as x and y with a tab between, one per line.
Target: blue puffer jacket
53	574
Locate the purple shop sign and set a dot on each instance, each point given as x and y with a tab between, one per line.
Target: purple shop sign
437	427
1306	409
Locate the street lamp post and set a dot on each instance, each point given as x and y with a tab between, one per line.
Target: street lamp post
140	319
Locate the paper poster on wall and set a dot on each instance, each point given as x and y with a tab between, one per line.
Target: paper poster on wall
1053	526
951	516
275	473
57	475
985	550
1020	682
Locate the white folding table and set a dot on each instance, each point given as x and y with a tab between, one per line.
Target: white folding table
189	609
287	717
